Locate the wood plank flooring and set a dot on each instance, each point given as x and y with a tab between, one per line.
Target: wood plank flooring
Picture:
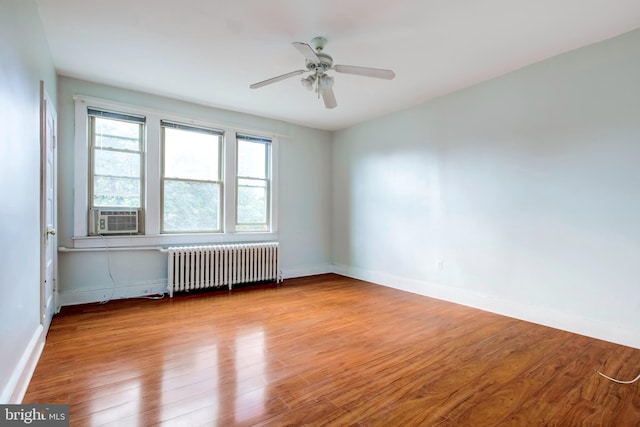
325	350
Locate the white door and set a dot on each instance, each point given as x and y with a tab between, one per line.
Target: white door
48	251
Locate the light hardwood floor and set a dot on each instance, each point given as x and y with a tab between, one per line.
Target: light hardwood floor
326	350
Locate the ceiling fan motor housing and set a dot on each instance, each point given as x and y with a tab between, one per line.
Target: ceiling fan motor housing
325	63
318	43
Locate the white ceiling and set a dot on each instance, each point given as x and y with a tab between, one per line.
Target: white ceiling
210	51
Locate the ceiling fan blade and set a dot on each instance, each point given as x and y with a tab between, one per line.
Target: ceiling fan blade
329	98
365	71
276	79
307	51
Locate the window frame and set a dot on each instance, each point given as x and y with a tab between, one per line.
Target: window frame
112	115
220	178
152	208
267	142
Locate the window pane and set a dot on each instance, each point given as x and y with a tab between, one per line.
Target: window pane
191	206
117	158
117	134
191	155
118	192
252	201
252	159
117	163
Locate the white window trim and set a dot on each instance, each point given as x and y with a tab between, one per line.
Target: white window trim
152	167
219	180
268	179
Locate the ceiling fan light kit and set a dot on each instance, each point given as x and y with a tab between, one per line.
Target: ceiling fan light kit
317	64
308	82
325	82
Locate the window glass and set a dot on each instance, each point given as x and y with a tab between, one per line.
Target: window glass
191	206
252	159
117	134
252	201
191	155
191	184
252	186
188	178
116	161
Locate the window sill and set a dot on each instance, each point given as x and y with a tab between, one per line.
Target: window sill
162	240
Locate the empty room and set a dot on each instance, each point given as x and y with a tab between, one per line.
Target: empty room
376	213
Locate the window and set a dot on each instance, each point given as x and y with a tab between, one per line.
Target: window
191	179
116	142
252	184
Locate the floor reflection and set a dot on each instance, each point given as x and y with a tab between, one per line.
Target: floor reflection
190	384
124	402
250	375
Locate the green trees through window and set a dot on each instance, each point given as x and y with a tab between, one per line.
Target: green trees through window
117	160
252	192
191	182
188	178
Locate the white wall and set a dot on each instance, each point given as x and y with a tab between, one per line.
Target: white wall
520	195
24	61
304	210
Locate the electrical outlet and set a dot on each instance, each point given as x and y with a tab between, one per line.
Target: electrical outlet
440	264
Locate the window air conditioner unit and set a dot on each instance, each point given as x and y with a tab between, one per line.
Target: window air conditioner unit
114	221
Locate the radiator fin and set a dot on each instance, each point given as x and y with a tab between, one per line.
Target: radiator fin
213	266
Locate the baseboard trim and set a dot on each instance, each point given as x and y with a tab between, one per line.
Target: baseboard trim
606	331
87	296
290	273
14	391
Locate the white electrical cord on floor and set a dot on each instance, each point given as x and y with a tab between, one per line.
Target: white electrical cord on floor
619	381
113	281
151	297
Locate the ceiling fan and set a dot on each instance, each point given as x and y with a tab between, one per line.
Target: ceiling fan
318	63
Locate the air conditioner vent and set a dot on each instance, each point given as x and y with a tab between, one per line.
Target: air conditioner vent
115	221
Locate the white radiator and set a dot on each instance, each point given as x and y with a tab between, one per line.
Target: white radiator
199	267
